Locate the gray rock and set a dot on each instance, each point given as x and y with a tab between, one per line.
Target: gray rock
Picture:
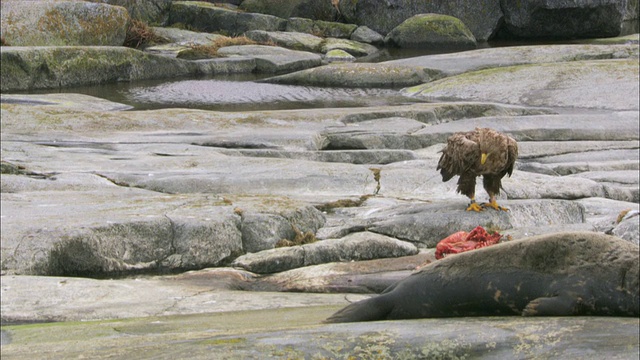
385	133
541	127
524	86
109	239
290	40
329	29
66	101
542	149
250	21
426	225
207	291
365	276
271	59
338	55
301	25
263	231
311	9
544	18
298	334
147	11
628	228
366	35
344	156
356	75
354	247
433	31
456	63
271	261
352	47
29	68
482	17
64	23
604	213
208	17
184	37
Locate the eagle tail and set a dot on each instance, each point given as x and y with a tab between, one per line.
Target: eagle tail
371	309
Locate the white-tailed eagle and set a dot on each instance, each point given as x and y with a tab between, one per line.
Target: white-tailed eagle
482	152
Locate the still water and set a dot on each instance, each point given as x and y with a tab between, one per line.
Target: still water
235	93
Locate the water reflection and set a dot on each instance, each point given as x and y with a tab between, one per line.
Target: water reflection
225	95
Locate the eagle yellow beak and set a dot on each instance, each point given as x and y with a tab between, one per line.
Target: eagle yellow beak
483	158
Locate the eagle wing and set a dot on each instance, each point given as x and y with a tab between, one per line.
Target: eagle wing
512	155
460	156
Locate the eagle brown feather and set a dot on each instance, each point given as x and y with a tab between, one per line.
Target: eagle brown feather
463	156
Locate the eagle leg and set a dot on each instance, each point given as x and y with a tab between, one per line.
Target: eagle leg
473	206
493	204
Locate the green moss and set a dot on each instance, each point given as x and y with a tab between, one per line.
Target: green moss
218	342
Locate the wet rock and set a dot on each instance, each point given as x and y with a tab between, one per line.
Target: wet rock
270	59
356	75
29	68
543	18
338	55
434	31
366	35
354	247
64	23
352	47
81	299
290	40
298	334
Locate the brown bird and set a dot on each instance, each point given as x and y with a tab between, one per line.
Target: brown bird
483	152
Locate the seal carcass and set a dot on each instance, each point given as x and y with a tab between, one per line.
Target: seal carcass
550	275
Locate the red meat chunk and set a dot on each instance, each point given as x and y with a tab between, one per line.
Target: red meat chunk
463	241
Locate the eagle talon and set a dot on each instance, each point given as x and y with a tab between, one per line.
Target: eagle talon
494	205
473	206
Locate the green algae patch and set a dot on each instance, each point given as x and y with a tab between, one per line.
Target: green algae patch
432	30
154	337
63	24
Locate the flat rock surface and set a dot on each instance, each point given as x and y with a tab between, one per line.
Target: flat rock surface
159	203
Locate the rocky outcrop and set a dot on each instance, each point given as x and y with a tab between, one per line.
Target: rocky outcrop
553	19
270	59
290	40
63	23
557	89
29	68
481	17
432	31
202	16
533	19
357	75
310	9
148	11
